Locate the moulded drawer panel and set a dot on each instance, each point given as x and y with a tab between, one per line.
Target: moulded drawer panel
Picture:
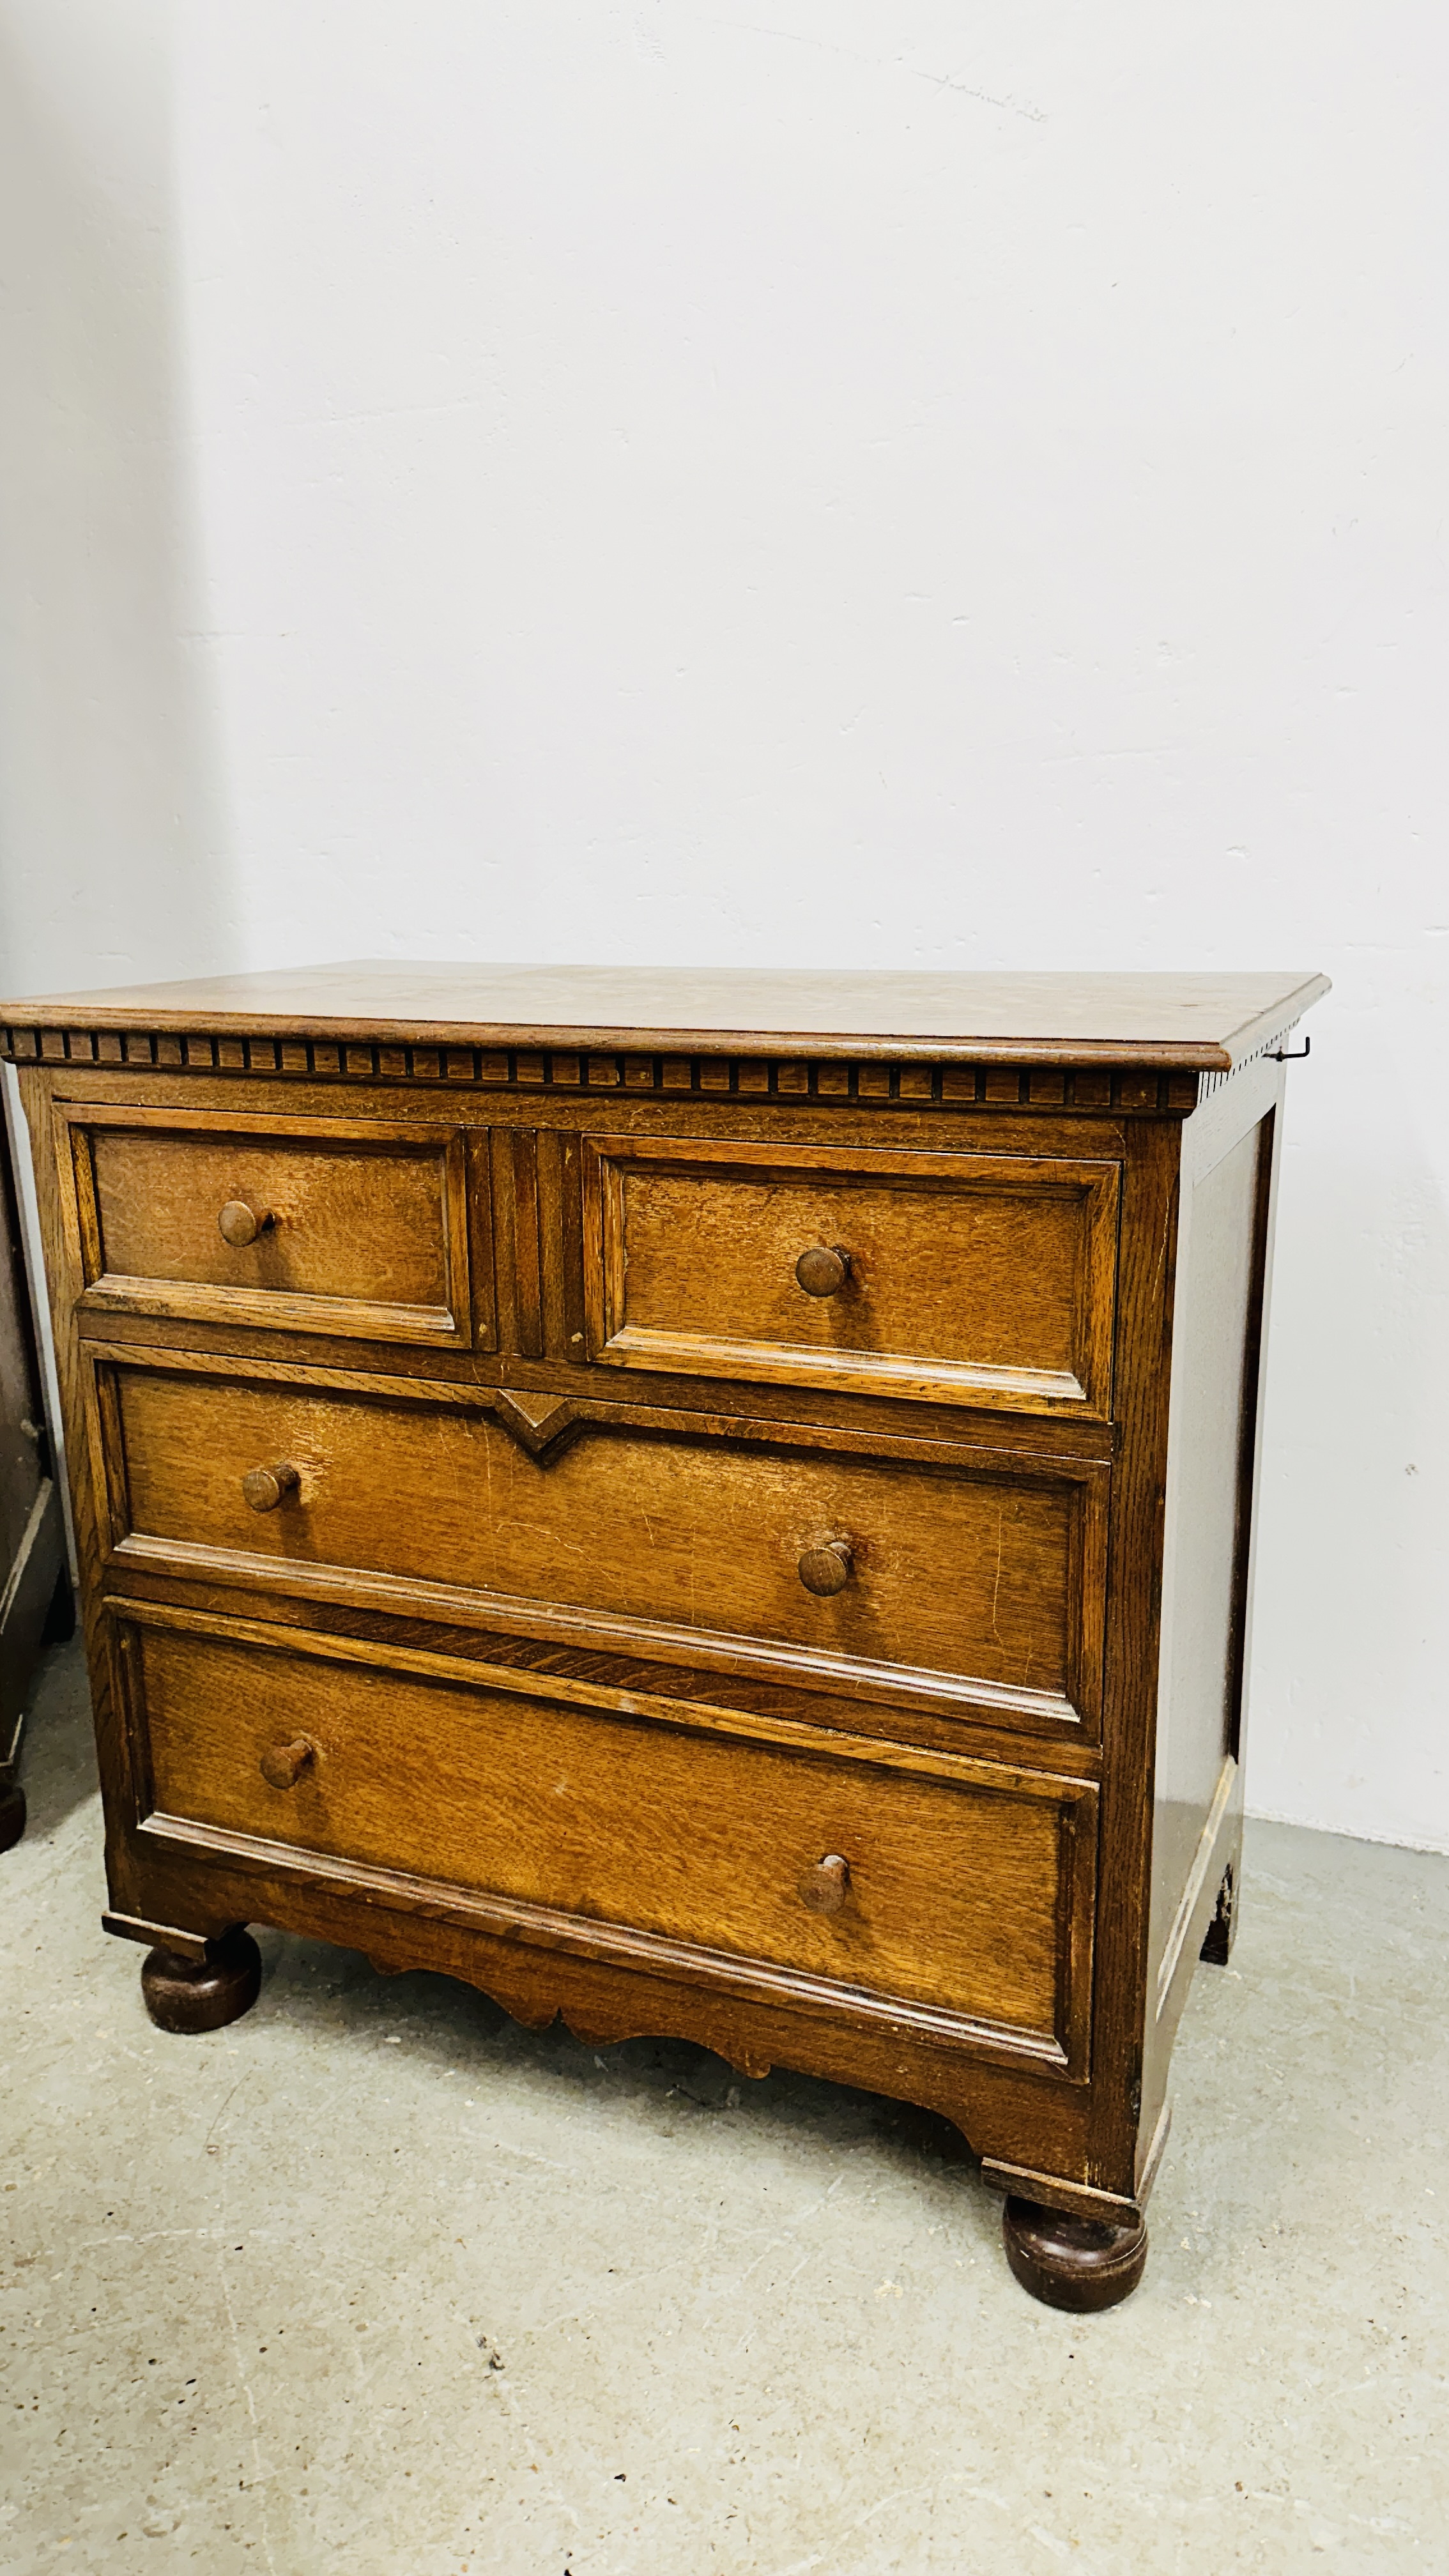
361	1225
958	1895
964	1278
981	1566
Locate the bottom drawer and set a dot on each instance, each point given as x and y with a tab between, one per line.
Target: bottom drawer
966	1888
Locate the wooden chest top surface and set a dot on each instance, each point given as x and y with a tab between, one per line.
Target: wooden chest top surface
1208	1022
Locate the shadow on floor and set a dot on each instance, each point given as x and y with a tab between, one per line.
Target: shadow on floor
58	1752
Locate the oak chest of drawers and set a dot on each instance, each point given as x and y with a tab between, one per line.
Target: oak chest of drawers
715	1505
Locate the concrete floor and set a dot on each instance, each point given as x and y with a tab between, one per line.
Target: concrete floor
377	2281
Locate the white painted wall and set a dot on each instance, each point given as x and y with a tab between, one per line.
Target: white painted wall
894	483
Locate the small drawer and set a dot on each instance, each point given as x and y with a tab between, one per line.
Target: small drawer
357	1227
952	1278
977	1578
955	1888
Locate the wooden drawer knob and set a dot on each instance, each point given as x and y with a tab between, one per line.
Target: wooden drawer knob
264	1487
241	1224
823	1270
824	1570
825	1887
284	1765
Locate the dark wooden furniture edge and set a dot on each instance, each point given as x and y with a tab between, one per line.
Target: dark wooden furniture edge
36	1604
160	1936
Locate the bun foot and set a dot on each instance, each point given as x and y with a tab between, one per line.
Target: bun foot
12	1815
1077	2263
203	1994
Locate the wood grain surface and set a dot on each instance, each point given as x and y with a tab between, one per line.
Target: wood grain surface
955	1894
362	1226
1229	1179
1202	1020
983	1567
968	1279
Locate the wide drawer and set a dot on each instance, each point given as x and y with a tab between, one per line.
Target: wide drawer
325	1225
963	1890
951	1278
976	1574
